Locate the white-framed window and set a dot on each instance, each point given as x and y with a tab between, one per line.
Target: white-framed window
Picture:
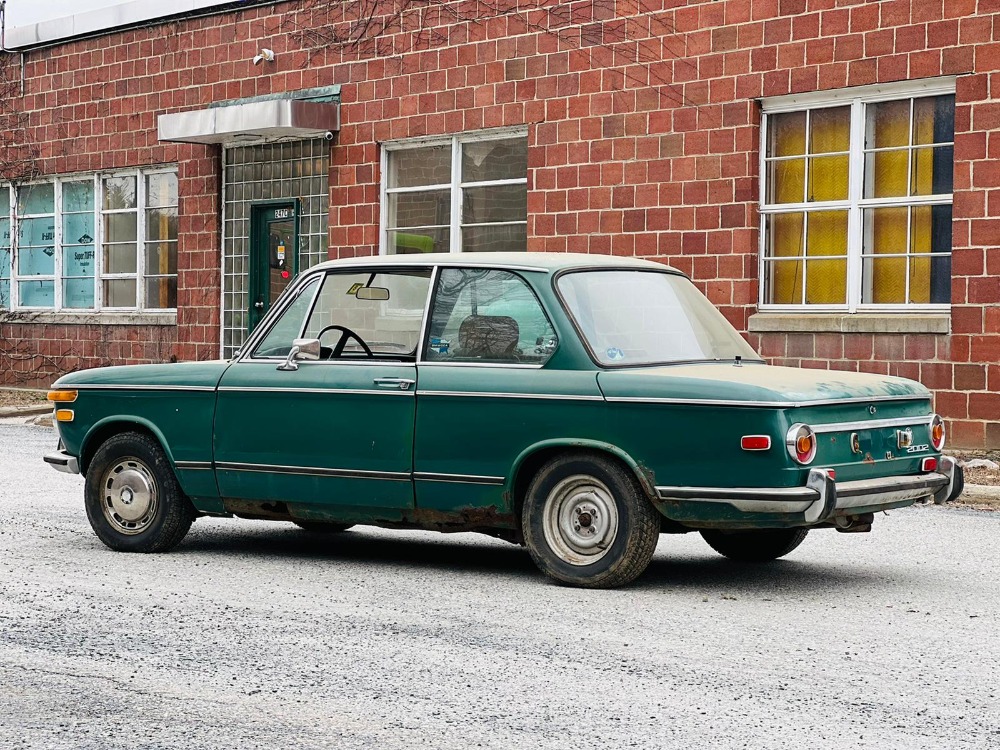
465	193
90	242
856	196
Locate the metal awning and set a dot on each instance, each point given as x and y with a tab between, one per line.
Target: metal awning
252	122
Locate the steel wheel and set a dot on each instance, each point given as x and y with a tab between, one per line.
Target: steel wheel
586	521
581	520
130	496
133	500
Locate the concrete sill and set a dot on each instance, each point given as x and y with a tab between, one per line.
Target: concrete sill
766	322
90	318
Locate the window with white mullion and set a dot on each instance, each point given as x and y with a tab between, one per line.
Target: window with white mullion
483	205
856	202
35	257
6	242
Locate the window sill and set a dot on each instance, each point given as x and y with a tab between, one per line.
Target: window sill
785	322
90	318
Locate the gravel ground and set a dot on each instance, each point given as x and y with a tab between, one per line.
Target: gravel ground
257	635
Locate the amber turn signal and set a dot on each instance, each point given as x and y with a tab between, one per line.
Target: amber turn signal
64	415
937	432
62	396
801	443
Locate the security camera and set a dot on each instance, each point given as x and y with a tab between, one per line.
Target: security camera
328	135
265	55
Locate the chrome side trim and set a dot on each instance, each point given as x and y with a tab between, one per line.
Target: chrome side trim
761	404
428	476
369	361
490	394
122	387
315	471
872	424
509	366
194	465
327	391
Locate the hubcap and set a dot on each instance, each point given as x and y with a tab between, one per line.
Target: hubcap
129	496
580	520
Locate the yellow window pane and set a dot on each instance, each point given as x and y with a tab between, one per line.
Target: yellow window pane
829	130
920	279
889	124
932	170
827	233
785	279
787	181
921	226
886	173
886	280
785	235
828	176
885	230
826	282
924	111
787	134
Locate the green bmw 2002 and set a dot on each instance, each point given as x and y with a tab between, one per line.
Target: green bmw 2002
579	405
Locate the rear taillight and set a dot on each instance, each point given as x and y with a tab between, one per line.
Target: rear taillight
937	432
801	443
930	463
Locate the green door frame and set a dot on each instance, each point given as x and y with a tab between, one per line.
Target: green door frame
262	213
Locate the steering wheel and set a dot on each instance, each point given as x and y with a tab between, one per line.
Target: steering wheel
346	335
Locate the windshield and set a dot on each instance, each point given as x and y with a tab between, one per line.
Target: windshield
648	317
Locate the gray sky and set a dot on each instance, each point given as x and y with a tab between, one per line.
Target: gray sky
23	12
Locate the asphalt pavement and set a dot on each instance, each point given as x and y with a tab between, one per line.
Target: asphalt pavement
260	635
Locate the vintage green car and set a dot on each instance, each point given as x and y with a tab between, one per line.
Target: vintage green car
579	405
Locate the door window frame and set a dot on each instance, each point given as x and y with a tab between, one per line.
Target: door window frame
258	233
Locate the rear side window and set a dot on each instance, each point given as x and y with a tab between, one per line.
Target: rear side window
488	316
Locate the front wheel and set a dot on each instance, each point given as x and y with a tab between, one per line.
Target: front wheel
586	522
754	546
133	500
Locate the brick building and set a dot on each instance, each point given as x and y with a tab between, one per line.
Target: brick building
826	170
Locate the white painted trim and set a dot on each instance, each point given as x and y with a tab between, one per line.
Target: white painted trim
872	93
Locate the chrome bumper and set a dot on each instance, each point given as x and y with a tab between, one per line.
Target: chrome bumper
823	498
62	461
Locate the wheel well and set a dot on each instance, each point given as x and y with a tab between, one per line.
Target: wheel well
105	431
530	466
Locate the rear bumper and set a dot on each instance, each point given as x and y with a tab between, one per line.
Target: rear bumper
820	501
62	461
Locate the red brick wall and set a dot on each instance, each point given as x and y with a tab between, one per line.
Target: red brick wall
642	128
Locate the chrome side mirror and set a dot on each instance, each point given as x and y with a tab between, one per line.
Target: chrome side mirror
303	350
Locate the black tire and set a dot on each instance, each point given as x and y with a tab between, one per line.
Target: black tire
557	516
133	500
754	546
322	527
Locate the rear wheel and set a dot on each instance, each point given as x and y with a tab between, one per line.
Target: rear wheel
133	500
586	522
754	546
322	527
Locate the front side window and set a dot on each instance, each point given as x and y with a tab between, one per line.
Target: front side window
487	316
466	194
90	242
355	315
856	202
647	318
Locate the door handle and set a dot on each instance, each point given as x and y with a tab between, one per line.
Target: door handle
402	384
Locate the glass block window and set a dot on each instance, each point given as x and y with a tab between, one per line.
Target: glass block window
264	172
90	242
465	194
856	200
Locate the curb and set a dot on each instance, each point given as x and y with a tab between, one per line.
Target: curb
979	496
24	411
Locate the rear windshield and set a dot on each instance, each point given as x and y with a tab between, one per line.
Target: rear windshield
648	317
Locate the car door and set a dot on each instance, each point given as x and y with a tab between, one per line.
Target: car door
486	394
337	431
